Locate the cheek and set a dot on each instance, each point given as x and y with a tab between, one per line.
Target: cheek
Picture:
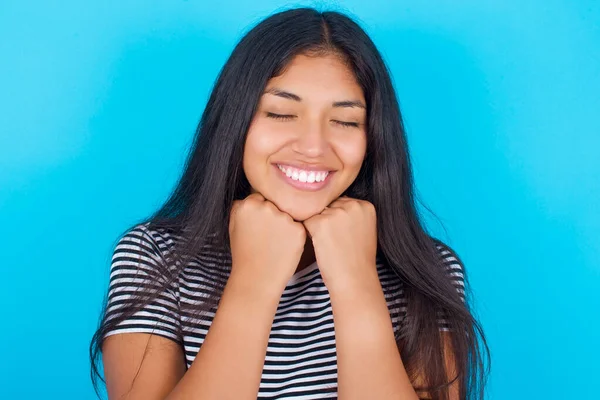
352	152
261	144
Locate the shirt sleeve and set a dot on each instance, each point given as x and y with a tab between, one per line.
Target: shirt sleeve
456	273
134	268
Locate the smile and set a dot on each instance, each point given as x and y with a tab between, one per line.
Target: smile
303	179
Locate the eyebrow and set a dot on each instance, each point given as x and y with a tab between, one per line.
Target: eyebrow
291	96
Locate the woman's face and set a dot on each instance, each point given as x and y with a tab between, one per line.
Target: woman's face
305	159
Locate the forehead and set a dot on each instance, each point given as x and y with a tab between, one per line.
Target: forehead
318	76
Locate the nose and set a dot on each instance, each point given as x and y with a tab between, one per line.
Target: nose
311	141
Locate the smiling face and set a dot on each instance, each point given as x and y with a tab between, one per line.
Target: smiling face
307	140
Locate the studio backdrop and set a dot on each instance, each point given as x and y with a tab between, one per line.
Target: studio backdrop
99	102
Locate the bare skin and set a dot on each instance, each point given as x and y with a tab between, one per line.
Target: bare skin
236	343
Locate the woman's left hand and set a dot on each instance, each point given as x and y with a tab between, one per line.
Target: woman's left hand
344	237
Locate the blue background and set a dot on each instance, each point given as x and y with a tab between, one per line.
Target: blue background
99	102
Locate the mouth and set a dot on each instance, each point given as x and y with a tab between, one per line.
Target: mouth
302	179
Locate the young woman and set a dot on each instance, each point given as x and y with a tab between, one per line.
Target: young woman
290	261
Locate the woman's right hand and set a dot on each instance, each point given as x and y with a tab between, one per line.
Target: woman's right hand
266	243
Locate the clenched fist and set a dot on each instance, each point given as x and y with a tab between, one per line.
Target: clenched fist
266	243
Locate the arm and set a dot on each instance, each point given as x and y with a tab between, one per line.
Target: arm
127	377
453	392
142	356
369	363
230	362
234	348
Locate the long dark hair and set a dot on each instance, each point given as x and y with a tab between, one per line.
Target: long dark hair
198	209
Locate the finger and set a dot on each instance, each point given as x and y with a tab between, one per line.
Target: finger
337	204
232	212
275	207
342	200
256	196
324	211
234	206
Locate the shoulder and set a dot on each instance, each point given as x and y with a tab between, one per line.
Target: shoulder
144	239
142	294
452	264
448	255
141	249
138	239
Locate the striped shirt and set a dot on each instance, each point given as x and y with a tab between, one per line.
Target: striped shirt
301	356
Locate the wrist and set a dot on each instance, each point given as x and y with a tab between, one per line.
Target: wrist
351	285
250	289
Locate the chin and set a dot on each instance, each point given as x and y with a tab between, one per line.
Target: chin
300	213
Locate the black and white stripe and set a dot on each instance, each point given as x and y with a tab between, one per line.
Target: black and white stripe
301	353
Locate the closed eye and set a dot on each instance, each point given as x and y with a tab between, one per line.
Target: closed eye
288	117
347	124
279	116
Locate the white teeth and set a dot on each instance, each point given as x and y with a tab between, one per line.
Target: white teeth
304	176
